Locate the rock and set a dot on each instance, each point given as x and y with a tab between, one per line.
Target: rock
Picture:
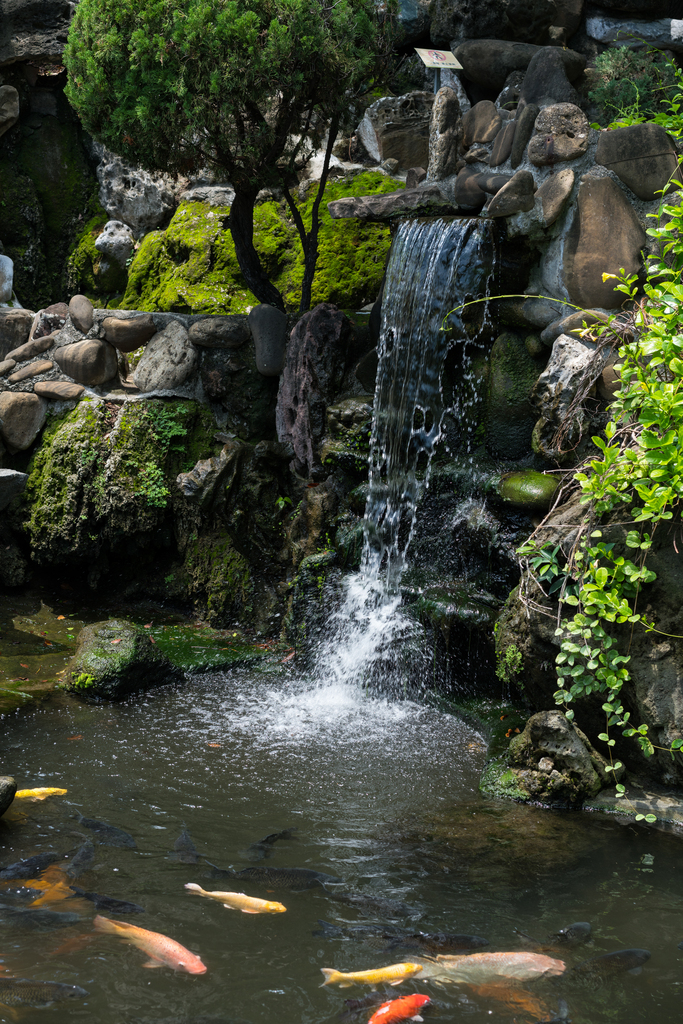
58	390
492	182
88	362
427	200
32	370
206	479
6	365
9	107
413	19
49	320
554	193
569	363
415	176
529	312
488	62
528	489
609	382
572	324
29	31
562	135
605	235
268	327
116	658
469	195
8	788
643	156
524	129
662	33
129	334
475	154
445	135
22	416
168	360
481	123
15	327
398	127
141	200
116	243
510	414
220	331
546	81
515	196
578	770
314	369
232	379
366	370
81	313
526	20
6	278
12	483
32	348
502	146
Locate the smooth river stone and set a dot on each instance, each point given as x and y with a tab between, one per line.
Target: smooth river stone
481	123
554	193
58	390
643	156
6	365
269	329
127	335
88	362
514	197
32	348
81	311
22	415
32	370
220	331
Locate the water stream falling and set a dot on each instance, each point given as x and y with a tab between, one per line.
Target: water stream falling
435	265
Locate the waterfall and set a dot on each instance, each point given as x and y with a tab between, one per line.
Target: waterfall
435	265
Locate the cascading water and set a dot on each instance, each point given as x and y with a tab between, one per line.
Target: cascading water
435	265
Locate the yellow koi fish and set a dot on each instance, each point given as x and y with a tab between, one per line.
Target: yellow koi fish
392	975
238	901
38	794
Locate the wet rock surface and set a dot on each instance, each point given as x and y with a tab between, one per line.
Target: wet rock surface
8	788
116	658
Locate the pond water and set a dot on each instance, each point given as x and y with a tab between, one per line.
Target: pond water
382	793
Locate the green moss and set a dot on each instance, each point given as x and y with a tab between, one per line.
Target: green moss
191	267
219	578
85	258
499	780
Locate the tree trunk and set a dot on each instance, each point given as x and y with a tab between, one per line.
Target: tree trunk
310	245
242	228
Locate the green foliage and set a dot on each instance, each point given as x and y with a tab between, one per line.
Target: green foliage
634	84
509	664
82	681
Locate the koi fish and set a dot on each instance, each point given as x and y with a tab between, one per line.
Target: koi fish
39	794
160	948
30	866
392	975
600	967
184	850
262	847
277	878
108	903
23	992
397	1010
238	901
107	835
492	968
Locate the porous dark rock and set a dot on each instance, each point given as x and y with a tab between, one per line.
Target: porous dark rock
605	236
502	145
445	135
33	31
643	156
546	80
88	362
316	361
81	312
397	127
268	327
168	360
58	390
524	129
22	416
554	193
49	320
527	20
562	134
15	327
12	483
488	62
8	788
129	334
206	481
116	658
33	369
516	196
481	123
232	379
220	331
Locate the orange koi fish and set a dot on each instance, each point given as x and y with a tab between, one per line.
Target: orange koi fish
160	949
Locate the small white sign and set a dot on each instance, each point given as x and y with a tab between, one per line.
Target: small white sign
438	59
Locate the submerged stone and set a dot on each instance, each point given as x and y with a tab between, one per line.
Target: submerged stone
528	489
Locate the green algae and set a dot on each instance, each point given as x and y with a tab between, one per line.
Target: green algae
191	267
219	577
199	648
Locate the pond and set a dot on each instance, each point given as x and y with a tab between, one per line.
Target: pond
379	793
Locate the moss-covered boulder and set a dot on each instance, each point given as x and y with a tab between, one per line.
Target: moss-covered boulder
116	658
191	267
528	489
510	414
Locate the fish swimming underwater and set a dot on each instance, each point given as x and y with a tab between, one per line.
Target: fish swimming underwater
492	968
572	935
238	901
405	1008
277	878
184	850
81	860
39	794
381	937
598	968
375	905
263	847
108	903
392	975
108	835
36	920
23	992
354	1006
160	948
31	866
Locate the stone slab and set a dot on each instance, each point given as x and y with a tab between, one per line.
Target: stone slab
427	199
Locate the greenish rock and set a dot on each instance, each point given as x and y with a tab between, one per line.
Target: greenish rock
350	460
358	498
312	597
349	542
116	658
510	414
191	267
349	425
219	578
205	649
499	780
451	609
8	788
528	489
249	399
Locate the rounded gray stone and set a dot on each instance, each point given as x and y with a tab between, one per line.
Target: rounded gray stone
269	331
130	333
12	482
220	331
168	360
81	313
22	415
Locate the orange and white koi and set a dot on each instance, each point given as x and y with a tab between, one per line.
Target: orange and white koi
162	950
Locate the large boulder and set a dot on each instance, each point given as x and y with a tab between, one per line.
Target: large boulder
168	360
547	80
510	414
529	21
232	379
116	245
643	156
636	32
269	330
316	361
116	658
33	30
562	134
427	200
8	788
397	127
88	362
488	62
22	416
605	236
141	200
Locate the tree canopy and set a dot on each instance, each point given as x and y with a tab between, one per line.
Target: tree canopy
238	87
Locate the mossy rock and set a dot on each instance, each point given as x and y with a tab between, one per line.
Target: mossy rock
116	658
83	267
191	267
510	414
219	579
8	788
528	489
